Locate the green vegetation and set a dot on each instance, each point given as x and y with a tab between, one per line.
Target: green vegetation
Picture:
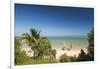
91	45
82	56
20	56
43	52
40	45
90	55
65	58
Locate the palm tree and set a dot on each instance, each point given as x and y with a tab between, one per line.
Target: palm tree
39	45
33	40
35	34
26	36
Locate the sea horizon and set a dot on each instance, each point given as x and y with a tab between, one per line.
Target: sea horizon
65	41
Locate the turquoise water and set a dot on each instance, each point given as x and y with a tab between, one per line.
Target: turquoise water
75	41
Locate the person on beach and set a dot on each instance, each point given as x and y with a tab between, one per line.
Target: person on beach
64	48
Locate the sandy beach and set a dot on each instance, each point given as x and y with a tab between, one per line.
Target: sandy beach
72	52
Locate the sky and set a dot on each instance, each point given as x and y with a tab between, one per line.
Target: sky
53	20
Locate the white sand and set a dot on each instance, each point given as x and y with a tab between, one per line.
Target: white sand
72	52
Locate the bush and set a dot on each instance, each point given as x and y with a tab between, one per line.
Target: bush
65	58
82	56
91	45
21	56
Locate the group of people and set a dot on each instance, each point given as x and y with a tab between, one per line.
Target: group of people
68	49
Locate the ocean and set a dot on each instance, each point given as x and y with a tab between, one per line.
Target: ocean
67	41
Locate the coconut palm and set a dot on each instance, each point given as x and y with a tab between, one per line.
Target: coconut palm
33	40
39	45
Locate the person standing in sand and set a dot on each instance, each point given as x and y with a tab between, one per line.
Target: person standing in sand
64	48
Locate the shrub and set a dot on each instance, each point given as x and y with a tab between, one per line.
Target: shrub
64	58
91	45
82	56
